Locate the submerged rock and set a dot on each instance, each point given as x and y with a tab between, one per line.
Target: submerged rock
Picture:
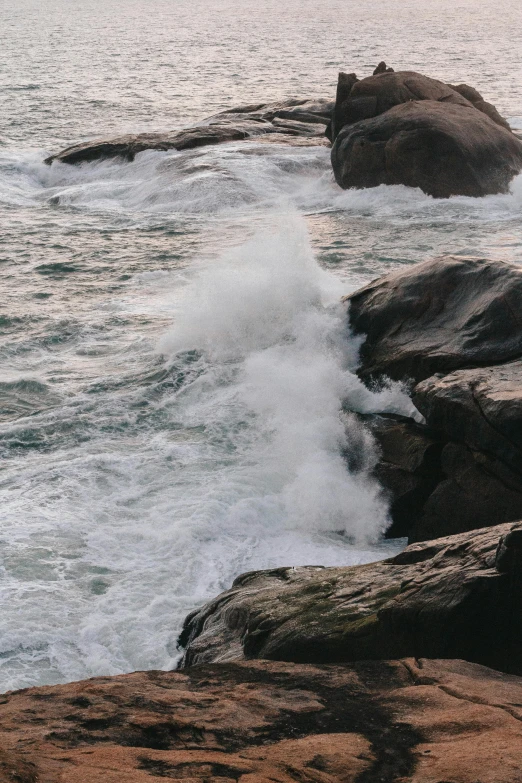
291	119
455	597
439	316
413	720
405	128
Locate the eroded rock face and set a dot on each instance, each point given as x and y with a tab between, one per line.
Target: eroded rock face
290	120
443	148
452	597
409	720
439	316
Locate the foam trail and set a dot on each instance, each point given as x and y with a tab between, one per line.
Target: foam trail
269	319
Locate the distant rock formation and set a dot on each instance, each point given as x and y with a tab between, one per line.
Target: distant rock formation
404	128
293	121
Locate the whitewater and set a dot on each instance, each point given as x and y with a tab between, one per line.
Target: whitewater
178	388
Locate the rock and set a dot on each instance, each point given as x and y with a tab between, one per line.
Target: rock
361	99
409	468
439	316
437	487
288	119
444	149
388	88
481	407
382	68
408	720
479	103
345	83
393	88
475	492
449	598
403	128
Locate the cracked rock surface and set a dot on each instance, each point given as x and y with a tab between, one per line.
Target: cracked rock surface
413	721
455	597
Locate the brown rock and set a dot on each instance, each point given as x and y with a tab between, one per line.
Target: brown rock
444	148
409	467
475	492
479	103
287	119
361	99
454	597
382	68
439	316
416	721
393	88
481	407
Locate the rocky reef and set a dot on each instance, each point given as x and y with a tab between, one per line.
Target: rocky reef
292	121
407	670
403	128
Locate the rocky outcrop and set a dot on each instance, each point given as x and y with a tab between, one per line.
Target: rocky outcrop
409	720
474	97
481	407
456	597
409	470
288	121
439	316
403	128
463	469
443	149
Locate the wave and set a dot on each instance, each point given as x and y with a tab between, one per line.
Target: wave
230	179
220	452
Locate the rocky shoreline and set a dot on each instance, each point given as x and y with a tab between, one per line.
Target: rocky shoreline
407	670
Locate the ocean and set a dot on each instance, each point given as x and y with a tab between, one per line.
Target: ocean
173	352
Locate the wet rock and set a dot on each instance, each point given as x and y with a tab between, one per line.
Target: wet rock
439	316
443	148
299	119
409	467
263	721
406	128
361	99
476	491
444	598
481	407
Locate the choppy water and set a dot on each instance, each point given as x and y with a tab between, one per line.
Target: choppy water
172	353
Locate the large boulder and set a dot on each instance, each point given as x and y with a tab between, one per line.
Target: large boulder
409	720
387	90
439	316
288	121
458	596
437	486
361	99
444	148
